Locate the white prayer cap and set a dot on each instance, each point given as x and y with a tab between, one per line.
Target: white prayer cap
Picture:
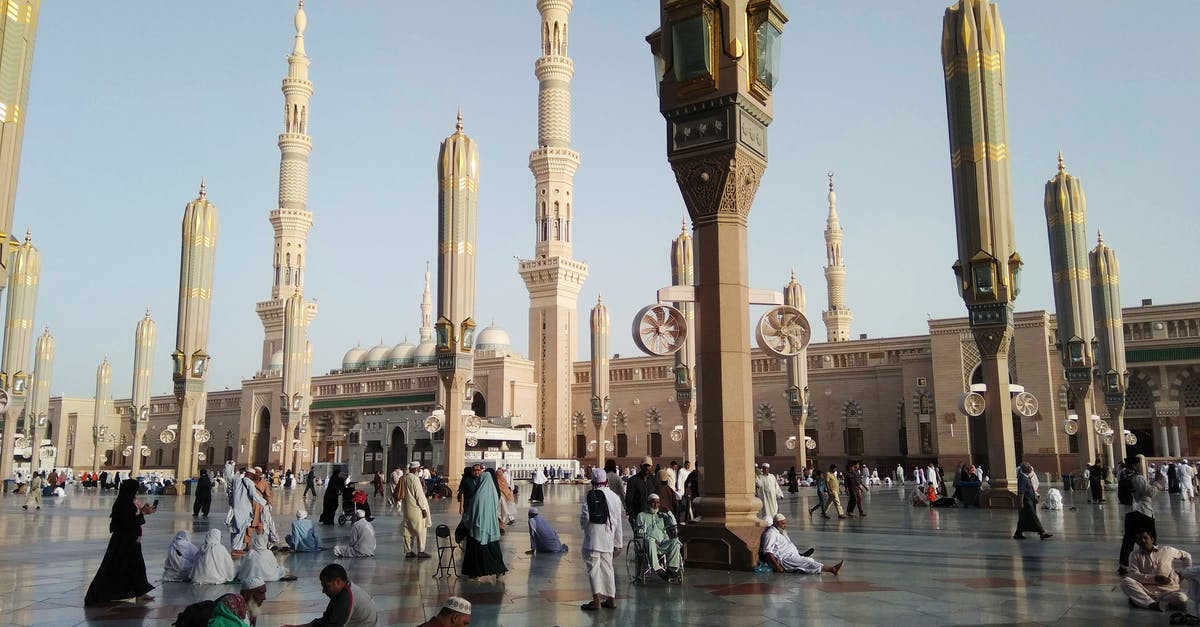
458	604
779	517
533	511
414	464
258	469
653	497
646	461
766	465
253	583
301	514
599	476
358	513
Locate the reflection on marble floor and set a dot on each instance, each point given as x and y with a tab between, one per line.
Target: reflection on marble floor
904	566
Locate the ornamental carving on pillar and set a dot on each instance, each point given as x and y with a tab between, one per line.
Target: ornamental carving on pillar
992	340
719	183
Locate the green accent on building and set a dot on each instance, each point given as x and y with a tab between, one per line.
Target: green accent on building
375	401
1183	353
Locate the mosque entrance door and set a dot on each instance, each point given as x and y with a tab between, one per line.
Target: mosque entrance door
262	440
398	451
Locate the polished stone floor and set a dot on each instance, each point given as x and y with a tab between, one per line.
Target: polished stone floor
904	566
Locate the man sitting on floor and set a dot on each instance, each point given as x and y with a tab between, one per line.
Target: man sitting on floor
303	538
652	526
783	555
542	537
1150	579
362	538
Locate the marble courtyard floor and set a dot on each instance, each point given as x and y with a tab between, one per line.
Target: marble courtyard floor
904	566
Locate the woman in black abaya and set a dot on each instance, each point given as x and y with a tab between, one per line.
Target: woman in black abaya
122	573
333	492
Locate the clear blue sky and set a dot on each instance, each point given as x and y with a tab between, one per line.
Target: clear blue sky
133	102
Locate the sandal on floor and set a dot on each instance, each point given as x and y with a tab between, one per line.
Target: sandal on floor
590	606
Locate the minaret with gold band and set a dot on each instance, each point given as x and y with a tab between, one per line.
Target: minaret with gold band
296	396
291	219
553	277
24	271
100	427
1110	335
143	369
837	318
1066	224
988	265
797	373
600	399
683	273
39	400
18	28
458	188
191	358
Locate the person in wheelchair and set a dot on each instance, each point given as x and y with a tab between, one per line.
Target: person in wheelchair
657	529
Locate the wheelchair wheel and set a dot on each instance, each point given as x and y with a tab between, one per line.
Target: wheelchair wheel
633	563
341	519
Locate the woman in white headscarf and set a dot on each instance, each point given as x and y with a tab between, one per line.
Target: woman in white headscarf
260	562
214	564
181	557
539	480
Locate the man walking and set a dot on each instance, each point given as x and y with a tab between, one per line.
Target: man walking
766	488
833	489
310	485
603	535
416	512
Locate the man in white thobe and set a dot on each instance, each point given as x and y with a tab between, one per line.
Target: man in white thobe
766	488
900	474
602	542
1186	488
779	551
362	538
416	512
1150	579
242	518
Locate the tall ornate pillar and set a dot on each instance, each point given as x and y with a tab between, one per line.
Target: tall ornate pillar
600	399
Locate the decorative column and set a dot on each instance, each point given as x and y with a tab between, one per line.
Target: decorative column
18	29
797	372
600	399
1110	333
1066	221
458	187
191	358
143	368
1164	446
718	62
296	396
100	434
1175	451
988	264
682	273
39	401
24	271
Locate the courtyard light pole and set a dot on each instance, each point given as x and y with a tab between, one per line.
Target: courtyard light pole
717	62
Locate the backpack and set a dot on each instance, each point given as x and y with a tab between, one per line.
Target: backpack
597	506
195	615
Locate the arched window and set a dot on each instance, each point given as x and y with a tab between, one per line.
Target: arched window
158	457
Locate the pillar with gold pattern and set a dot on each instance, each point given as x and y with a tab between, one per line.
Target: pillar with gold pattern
600	381
18	30
683	273
717	63
797	373
24	272
39	402
988	265
191	358
144	337
101	433
1110	335
458	186
1066	224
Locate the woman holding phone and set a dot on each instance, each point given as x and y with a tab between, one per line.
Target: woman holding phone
122	572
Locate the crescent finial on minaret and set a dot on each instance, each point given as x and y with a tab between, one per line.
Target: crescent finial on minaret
28	235
793	274
1099	237
830	175
1062	168
147	311
599	297
458	126
203	189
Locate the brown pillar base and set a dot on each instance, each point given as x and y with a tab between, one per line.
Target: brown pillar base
999	499
707	545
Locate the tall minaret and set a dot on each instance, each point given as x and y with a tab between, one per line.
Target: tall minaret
144	337
24	269
426	309
458	203
1106	312
837	318
18	26
291	219
552	277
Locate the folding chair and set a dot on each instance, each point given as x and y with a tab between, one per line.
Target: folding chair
447	549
